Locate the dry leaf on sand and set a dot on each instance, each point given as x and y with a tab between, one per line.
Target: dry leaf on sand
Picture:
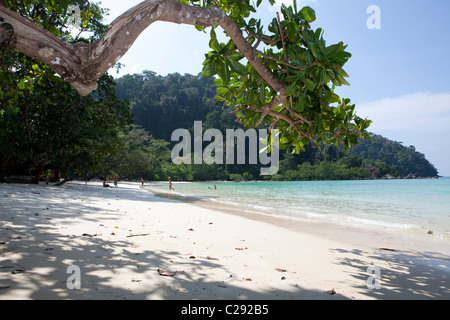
166	273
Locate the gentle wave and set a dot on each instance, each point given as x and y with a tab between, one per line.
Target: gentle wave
403	205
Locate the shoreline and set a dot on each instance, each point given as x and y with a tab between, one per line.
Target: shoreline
360	234
131	244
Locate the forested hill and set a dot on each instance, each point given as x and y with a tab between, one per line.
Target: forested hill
162	104
406	159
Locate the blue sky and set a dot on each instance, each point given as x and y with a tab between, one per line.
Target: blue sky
399	74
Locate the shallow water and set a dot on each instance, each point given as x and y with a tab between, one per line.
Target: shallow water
411	206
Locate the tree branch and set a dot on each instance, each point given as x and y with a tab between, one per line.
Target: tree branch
38	43
6	33
287	64
82	64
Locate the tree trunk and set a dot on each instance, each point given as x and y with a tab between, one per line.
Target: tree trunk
38	173
56	175
5	168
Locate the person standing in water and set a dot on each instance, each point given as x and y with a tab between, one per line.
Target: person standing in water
170	185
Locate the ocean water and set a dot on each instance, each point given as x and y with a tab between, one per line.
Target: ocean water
414	206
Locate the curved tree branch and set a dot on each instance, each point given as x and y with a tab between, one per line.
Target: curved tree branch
82	64
6	33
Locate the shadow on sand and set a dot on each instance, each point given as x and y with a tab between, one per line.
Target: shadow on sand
35	256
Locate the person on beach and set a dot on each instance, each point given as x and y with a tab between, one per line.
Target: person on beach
115	181
142	181
106	184
170	185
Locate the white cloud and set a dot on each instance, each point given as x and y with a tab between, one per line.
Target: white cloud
420	119
418	111
135	68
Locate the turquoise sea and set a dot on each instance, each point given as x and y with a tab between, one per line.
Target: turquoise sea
416	205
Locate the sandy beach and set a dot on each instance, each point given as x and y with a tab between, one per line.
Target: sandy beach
83	242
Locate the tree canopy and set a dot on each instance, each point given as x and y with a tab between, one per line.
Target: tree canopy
283	77
46	124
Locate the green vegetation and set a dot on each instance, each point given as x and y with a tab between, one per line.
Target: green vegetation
367	160
290	84
49	131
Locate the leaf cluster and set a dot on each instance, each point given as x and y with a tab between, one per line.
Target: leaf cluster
301	100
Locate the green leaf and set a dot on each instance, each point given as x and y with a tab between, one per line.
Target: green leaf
236	66
213	34
251	96
209	69
331	49
308	14
339	57
310	85
222	91
342	72
300	105
331	97
295	6
224	72
287	11
262	94
292	31
290	90
315	51
341	79
21	85
199	28
215	45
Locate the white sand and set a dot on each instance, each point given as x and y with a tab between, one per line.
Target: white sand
120	237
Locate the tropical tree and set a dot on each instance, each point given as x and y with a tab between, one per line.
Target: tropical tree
142	157
45	123
284	78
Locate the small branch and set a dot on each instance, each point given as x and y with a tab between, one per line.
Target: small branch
292	123
247	50
268	110
272	125
264	55
282	41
